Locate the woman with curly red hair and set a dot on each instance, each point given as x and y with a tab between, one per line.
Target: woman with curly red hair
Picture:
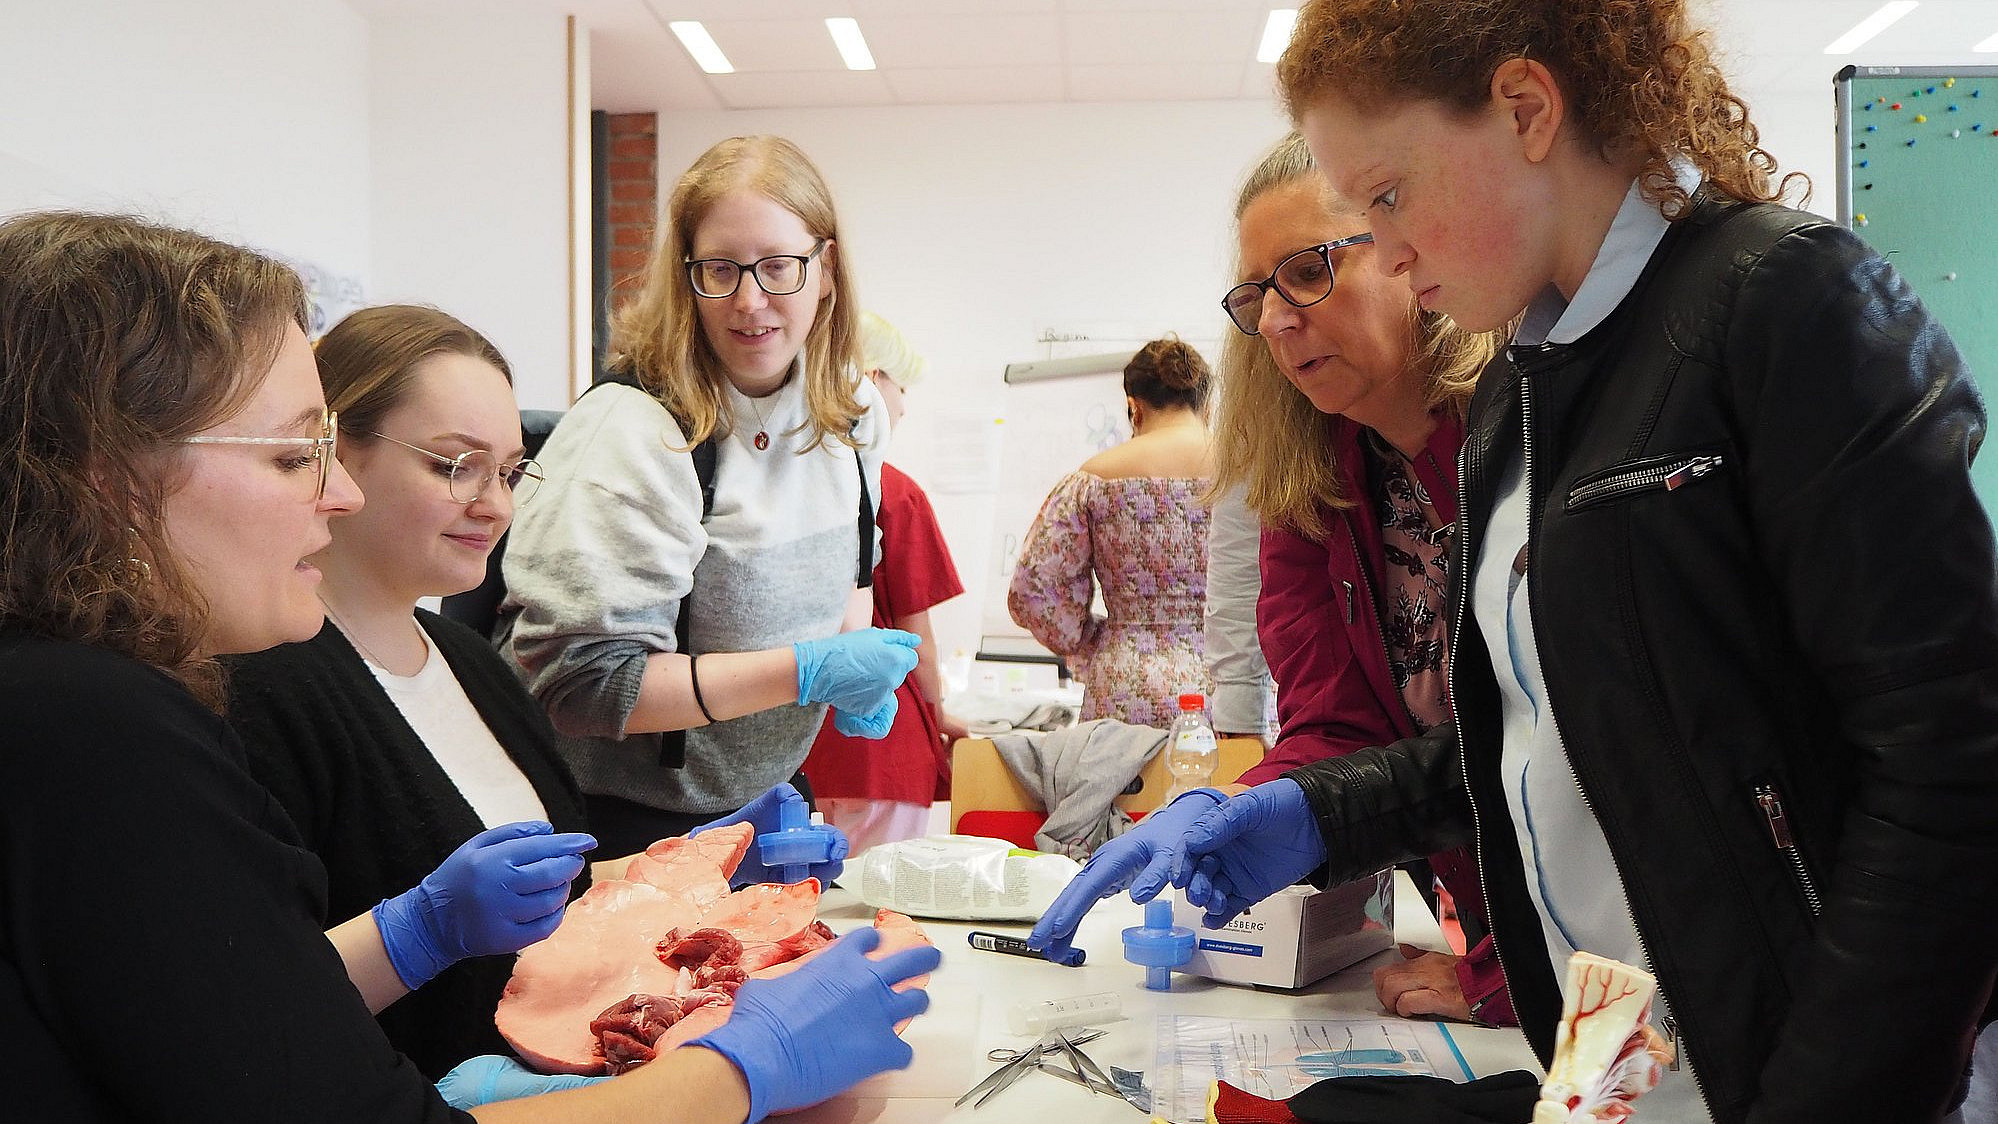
1689	491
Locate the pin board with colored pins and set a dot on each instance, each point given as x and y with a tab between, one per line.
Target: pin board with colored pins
1918	179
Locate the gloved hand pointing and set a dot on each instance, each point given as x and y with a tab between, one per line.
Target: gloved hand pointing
1142	858
856	673
1249	848
502	890
803	1037
766	813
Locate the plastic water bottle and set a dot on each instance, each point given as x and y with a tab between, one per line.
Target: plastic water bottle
1190	749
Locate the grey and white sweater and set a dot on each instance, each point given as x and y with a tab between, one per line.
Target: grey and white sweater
597	564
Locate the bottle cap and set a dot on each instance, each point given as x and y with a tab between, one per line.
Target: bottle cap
1192	700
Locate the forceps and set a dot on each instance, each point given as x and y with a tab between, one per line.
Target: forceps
1056	1044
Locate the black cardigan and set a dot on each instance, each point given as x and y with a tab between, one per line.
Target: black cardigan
370	799
162	955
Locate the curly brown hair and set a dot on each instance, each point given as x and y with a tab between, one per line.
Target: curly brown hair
1637	76
118	338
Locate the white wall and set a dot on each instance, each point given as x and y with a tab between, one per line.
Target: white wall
241	118
975	229
469	145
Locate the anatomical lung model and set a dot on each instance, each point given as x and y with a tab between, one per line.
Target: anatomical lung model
647	962
1605	1053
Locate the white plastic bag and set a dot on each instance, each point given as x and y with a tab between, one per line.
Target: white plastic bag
964	877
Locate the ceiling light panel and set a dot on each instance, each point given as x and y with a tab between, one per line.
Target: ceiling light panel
707	53
1872	25
1276	34
852	45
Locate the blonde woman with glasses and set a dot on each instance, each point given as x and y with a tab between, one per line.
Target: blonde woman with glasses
690	632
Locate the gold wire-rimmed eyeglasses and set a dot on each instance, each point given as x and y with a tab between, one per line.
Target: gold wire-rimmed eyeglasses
474	470
323	446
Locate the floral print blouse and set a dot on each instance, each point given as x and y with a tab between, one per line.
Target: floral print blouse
1143	540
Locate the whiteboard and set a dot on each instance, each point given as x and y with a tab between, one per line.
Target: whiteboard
1918	161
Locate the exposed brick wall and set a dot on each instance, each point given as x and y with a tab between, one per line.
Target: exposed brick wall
632	167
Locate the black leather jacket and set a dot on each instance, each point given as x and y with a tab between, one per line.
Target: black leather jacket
1767	611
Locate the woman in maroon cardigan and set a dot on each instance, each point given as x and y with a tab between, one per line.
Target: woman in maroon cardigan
1340	416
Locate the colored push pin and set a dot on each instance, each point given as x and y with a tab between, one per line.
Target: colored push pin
1952	109
1896	105
1911	142
1951	276
1954	133
1158	944
1866	187
1865	163
1873	128
796	844
1948	82
1921	118
1860	219
1932	89
1882	101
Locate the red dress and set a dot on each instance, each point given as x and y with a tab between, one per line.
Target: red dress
911	765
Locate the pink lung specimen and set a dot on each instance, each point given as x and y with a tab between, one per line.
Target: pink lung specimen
651	962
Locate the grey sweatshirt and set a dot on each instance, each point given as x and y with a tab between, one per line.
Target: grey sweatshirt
597	565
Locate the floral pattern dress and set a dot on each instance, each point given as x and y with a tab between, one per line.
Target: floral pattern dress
1143	540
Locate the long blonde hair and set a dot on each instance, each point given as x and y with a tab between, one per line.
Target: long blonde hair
1267	434
657	337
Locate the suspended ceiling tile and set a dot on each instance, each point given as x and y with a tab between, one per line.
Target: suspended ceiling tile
802	90
1155	82
935	42
976	85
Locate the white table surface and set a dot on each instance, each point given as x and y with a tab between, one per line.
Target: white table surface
972	991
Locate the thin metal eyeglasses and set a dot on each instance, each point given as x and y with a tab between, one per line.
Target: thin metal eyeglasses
322	446
474	470
1302	279
779	275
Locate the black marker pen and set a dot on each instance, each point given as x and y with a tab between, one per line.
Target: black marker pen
1014	946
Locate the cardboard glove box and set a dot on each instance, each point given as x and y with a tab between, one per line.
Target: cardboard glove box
1297	936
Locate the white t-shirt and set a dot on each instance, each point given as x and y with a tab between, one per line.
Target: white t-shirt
435	706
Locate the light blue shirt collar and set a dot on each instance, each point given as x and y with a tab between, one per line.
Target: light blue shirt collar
1633	236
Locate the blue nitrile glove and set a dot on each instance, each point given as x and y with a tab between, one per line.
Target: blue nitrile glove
875	725
490	1077
1142	858
1249	848
501	891
766	814
803	1037
855	671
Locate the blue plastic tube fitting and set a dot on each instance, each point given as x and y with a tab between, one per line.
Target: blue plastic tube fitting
1158	945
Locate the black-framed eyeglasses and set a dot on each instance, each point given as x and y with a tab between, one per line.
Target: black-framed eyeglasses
1302	279
474	470
779	275
323	447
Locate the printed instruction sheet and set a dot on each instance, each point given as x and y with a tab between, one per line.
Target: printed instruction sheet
1274	1058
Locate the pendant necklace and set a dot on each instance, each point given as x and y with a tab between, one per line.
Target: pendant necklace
762	438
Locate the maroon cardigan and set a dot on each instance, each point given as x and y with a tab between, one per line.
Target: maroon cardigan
1320	630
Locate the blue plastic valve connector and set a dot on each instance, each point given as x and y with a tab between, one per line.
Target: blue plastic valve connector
1158	944
796	844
